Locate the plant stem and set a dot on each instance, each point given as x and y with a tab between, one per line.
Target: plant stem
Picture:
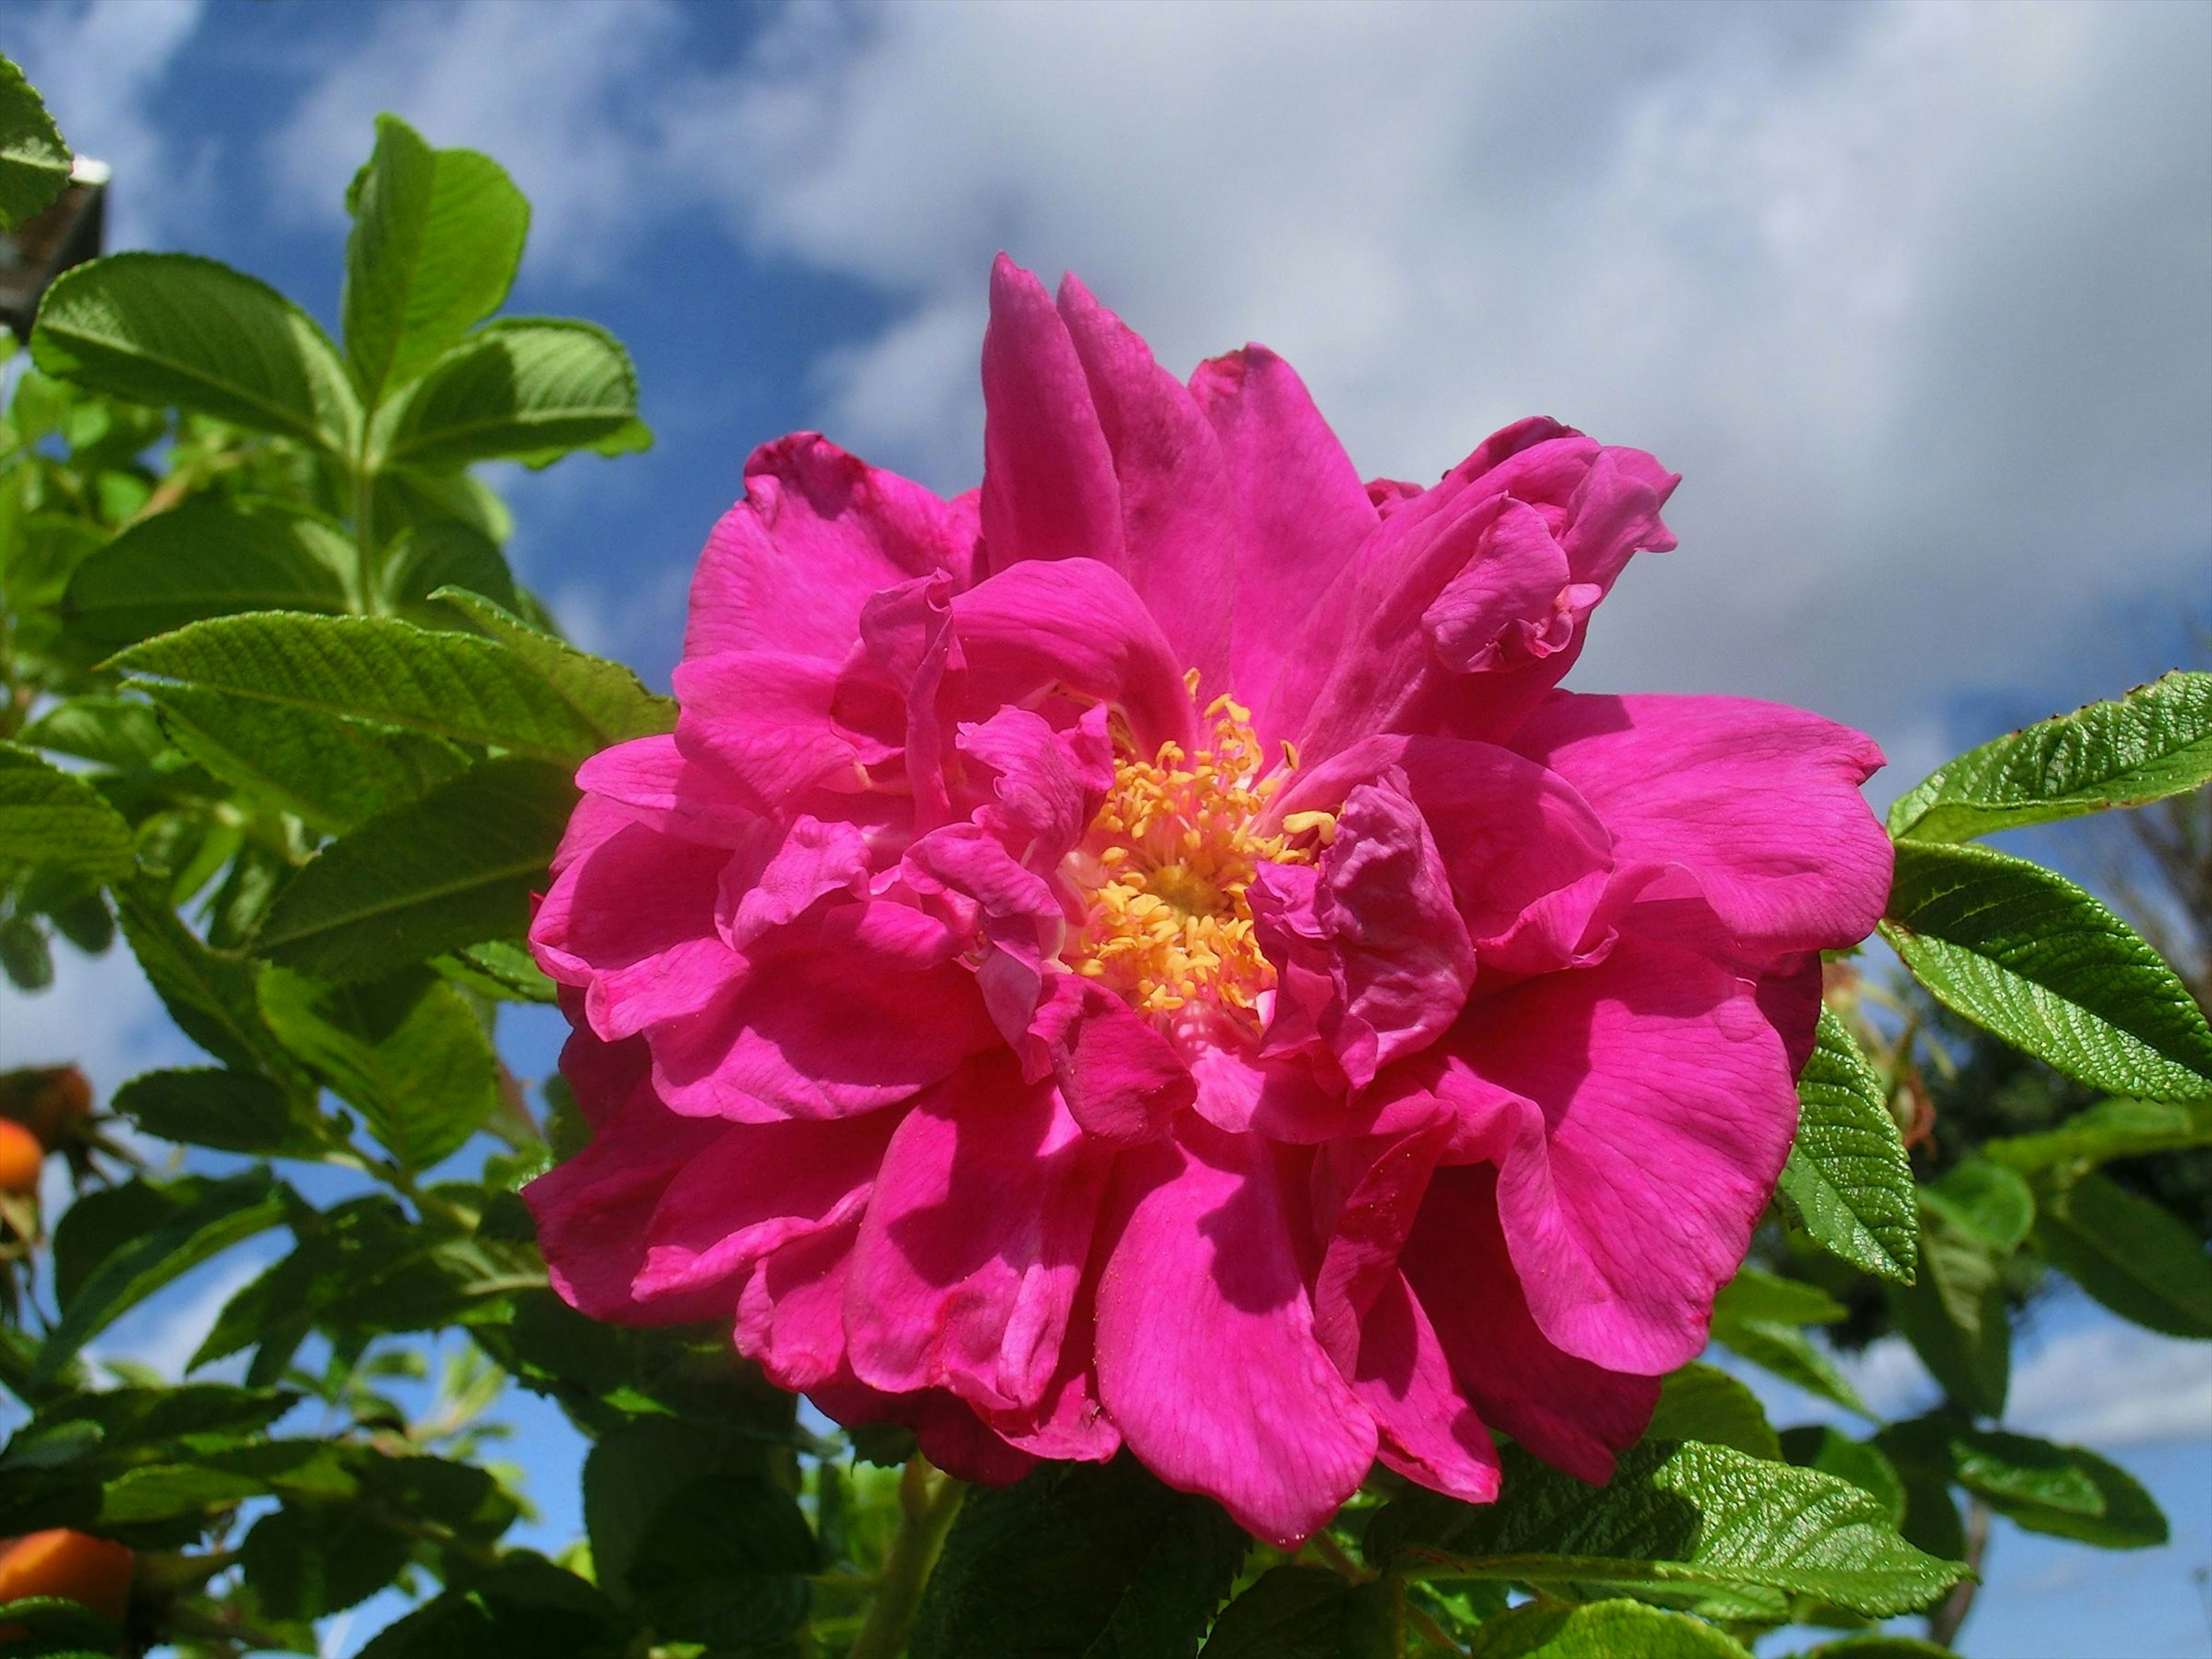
1943	1623
928	1502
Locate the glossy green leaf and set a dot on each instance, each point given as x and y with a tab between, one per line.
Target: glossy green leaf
1703	1402
173	328
1878	1646
1862	1463
2110	1129
1756	1315
2153	743
1954	1314
1078	1558
408	1052
610	696
514	388
448	685
35	162
197	1219
1601	1630
1690	1515
230	1111
454	868
2132	1254
207	558
49	818
210	994
331	771
2025	954
500	970
2065	1490
437	234
1987	1198
1848	1175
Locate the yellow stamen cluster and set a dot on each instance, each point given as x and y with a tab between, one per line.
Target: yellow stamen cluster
1167	863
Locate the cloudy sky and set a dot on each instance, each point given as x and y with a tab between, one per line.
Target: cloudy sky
1918	296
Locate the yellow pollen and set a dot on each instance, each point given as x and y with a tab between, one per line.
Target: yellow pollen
1166	866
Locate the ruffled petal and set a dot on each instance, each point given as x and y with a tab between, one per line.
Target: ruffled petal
789	567
1206	1356
1759	802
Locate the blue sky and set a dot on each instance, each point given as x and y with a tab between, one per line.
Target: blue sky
1918	296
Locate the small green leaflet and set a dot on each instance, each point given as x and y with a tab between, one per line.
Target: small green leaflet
176	330
1953	1314
1848	1175
2135	1256
50	819
1756	1315
606	694
2025	954
1601	1630
2110	1129
206	558
1703	1402
1306	1612
514	388
231	1111
35	162
2153	743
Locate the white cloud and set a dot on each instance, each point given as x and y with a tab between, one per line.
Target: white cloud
97	66
2113	1384
99	1014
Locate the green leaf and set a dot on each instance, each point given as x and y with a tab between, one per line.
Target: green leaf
444	553
2025	954
608	696
448	685
1757	1314
525	1608
55	1628
1987	1198
332	772
1703	1402
1692	1516
230	1111
1103	1561
173	328
1601	1630
514	388
724	1562
2153	743
208	994
2064	1491
309	1559
35	162
198	1218
1859	1461
2132	1254
49	818
437	234
1306	1612
1878	1646
407	1052
501	970
454	868
206	558
120	732
1954	1314
1848	1175
2110	1129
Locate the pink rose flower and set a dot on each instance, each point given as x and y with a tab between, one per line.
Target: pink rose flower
1141	954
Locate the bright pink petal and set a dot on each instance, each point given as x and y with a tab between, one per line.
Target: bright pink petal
1048	487
764	722
1206	1356
1570	1412
974	1242
651	782
1122	1079
1639	1112
1048	784
1179	523
757	1188
789	567
1427	1430
791	1313
1302	512
1075	625
814	860
1759	802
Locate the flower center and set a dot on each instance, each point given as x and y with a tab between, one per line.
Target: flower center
1166	864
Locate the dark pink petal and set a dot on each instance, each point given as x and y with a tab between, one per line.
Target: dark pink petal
1427	1431
592	1212
789	567
819	1034
1759	802
1387	958
1048	487
600	1074
1179	523
1074	624
1049	783
1569	1412
1069	1423
1301	1101
1506	605
791	1313
907	635
974	1242
1639	1112
1015	910
763	721
814	860
757	1188
1302	514
650	781
1206	1356
1122	1079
